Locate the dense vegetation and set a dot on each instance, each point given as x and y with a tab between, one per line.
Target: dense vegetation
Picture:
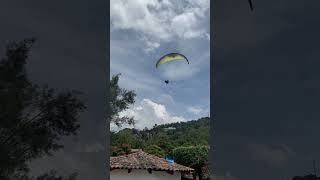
161	138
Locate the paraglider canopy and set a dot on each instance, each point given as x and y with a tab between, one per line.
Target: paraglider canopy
171	57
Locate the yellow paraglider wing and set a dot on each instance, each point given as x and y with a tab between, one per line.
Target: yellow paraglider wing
171	57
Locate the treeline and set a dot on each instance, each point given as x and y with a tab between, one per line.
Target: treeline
161	139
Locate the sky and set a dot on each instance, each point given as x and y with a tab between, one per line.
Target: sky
142	31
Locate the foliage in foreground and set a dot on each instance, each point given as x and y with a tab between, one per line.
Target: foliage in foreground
195	157
120	100
33	119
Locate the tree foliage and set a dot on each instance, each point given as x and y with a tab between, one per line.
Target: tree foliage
120	100
32	118
155	150
120	150
192	156
189	133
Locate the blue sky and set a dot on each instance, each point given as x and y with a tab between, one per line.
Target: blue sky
144	30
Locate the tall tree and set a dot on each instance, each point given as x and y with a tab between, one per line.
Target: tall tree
32	118
120	100
192	156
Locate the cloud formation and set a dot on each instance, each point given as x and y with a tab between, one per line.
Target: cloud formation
194	110
147	113
160	20
144	30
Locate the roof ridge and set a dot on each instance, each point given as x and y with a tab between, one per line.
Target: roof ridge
144	160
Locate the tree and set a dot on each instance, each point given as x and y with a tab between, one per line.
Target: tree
120	100
120	149
164	143
195	157
123	141
32	118
155	150
124	136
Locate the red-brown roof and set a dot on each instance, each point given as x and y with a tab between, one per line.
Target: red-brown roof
142	160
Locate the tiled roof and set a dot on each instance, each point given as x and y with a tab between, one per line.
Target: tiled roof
142	160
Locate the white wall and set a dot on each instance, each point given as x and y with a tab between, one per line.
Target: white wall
122	174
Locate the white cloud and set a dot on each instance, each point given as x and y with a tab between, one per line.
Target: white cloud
208	36
195	110
150	45
160	20
137	15
166	99
148	113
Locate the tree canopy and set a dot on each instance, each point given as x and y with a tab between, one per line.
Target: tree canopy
120	100
193	156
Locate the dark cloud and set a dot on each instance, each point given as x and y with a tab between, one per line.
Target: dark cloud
70	53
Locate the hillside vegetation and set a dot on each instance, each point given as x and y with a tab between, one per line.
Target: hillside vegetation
161	139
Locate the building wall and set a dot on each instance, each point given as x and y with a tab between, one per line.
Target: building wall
119	174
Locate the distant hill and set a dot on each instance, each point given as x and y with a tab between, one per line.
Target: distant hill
162	137
194	132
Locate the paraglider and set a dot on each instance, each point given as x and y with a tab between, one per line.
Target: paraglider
169	58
